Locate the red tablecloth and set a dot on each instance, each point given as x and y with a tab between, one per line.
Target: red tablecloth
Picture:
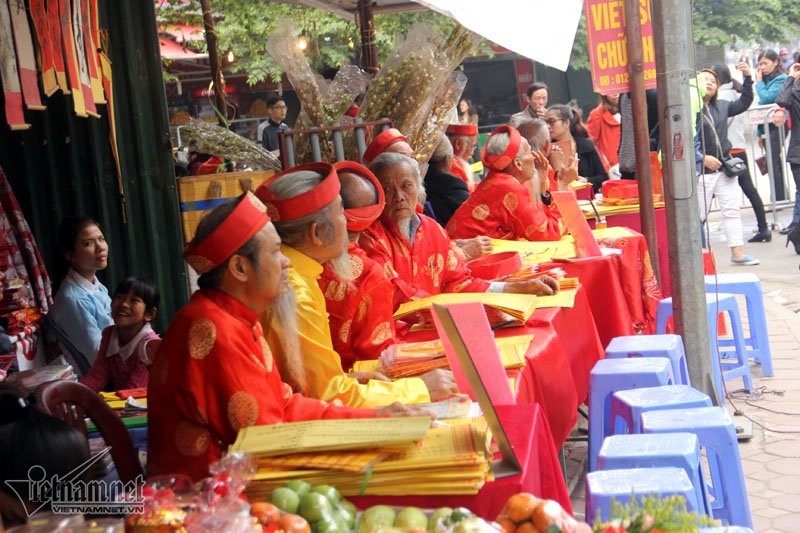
578	335
600	278
527	430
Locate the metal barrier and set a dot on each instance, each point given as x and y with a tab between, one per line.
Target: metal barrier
770	166
334	135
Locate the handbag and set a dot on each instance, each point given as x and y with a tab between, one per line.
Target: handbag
732	166
761	163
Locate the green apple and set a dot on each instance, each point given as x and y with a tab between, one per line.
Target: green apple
330	525
411	518
285	499
329	492
315	507
341	512
298	485
374	517
440	515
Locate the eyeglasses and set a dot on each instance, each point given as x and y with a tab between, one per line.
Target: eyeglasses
551	121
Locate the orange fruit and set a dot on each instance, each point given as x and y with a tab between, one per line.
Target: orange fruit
520	506
528	527
292	523
546	513
266	513
506	523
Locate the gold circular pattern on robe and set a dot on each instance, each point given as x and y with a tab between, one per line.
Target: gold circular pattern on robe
202	336
363	307
267	353
381	333
480	212
344	331
335	291
242	410
191	440
357	264
510	201
452	260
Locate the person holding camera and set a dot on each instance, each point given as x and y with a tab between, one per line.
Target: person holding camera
718	171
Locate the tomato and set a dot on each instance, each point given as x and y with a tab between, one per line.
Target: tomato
266	513
292	523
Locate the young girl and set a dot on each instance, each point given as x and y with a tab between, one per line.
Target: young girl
82	308
126	349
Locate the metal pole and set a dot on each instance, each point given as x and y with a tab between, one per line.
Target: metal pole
672	28
641	131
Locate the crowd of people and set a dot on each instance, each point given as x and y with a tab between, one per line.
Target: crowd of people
300	279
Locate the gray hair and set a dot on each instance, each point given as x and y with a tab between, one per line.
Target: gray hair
389	159
442	151
294	184
498	143
536	131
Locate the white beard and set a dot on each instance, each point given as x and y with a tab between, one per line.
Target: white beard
342	267
404	227
283	321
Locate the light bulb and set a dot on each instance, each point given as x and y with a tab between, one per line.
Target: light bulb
302	44
231	57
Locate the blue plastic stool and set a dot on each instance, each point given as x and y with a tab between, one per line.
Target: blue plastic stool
627	406
606	485
717	435
667	345
749	286
724	370
611	375
680	450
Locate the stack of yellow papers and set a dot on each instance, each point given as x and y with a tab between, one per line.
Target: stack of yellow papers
416	358
450	460
563	298
501	308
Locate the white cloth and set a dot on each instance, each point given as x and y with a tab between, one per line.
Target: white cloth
726	190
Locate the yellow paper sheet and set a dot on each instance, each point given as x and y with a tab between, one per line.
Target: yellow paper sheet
329	435
536	252
563	298
519	306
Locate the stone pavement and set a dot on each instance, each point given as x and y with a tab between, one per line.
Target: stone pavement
771	458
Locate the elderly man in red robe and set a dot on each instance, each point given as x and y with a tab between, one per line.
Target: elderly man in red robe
512	202
307	212
464	138
359	313
414	250
214	373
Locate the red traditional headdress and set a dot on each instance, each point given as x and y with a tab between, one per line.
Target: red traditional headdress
381	142
360	218
246	219
303	204
462	129
500	161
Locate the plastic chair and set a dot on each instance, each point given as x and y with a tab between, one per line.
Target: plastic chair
621	485
627	406
666	345
748	285
724	370
611	375
717	435
679	450
73	402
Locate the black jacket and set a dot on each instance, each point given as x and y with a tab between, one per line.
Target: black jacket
589	164
789	97
720	111
445	193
